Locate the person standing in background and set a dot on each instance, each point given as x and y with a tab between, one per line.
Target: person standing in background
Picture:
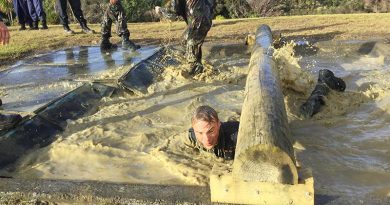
37	13
116	12
198	15
23	14
78	13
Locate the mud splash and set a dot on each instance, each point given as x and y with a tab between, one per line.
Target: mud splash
142	139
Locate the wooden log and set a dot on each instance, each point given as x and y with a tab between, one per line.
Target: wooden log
264	151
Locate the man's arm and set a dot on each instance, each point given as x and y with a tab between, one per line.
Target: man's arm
4	33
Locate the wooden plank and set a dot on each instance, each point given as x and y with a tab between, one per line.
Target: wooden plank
225	188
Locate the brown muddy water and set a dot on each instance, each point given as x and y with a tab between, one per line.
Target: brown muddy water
139	139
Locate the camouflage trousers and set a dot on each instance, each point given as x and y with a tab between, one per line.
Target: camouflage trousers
198	25
114	13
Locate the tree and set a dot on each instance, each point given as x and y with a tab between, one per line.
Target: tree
137	10
7	7
270	7
52	16
94	10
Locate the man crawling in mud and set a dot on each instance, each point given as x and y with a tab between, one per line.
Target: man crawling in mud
198	16
211	135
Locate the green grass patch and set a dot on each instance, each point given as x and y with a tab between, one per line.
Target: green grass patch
319	27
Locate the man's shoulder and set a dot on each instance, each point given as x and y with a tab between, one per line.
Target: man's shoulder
230	126
231	123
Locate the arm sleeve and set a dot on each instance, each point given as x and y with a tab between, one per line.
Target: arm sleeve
190	139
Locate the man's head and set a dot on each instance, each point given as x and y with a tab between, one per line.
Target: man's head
206	126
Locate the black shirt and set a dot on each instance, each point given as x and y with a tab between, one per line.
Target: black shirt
227	140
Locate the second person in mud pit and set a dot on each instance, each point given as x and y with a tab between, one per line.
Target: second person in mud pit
116	12
198	15
211	135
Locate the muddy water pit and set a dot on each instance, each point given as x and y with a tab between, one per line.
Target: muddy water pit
140	139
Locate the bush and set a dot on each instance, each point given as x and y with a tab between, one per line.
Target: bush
136	10
93	10
232	8
50	10
269	7
142	10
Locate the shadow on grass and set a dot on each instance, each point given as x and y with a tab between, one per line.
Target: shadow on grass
230	22
309	28
316	37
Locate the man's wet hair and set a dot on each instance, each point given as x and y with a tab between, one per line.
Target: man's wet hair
205	113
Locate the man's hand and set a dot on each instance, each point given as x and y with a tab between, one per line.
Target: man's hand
4	34
113	2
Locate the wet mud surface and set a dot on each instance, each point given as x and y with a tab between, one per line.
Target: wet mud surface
139	139
33	82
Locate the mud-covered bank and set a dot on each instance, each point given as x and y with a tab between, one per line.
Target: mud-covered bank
51	192
58	192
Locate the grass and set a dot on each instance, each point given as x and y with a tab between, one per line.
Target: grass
315	27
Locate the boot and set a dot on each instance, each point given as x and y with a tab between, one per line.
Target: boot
105	44
30	25
316	100
312	106
195	68
44	24
326	76
127	44
22	27
9	120
85	28
326	81
67	29
35	25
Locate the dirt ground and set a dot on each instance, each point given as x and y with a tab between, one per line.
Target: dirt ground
315	28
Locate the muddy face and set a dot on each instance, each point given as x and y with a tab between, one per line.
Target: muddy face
207	133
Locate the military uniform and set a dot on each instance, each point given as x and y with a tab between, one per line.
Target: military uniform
198	15
227	140
117	13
